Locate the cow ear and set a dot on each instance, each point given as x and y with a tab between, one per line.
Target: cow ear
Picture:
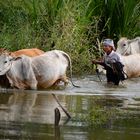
129	41
17	58
11	58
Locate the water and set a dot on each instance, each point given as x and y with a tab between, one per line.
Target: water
30	115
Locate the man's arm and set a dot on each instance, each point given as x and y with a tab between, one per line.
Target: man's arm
98	62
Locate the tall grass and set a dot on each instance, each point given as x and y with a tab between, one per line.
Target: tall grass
123	17
72	25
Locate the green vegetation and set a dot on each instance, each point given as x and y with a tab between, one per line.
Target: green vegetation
98	116
101	116
74	26
99	111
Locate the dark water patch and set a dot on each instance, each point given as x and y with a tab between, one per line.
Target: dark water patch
18	130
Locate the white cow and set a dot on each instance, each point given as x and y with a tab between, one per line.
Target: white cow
41	71
4	82
131	65
127	47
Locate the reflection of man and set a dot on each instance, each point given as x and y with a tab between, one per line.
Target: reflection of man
111	62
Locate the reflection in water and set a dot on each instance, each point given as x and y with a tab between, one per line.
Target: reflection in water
27	107
30	114
22	112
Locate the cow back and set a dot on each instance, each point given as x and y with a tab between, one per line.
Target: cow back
29	52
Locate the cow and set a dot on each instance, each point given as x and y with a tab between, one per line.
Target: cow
29	52
127	47
41	71
131	65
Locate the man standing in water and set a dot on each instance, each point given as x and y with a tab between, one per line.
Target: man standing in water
112	63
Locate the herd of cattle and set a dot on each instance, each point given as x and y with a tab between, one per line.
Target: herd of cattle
34	68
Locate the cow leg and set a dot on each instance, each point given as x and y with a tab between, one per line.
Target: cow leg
57	82
33	86
64	78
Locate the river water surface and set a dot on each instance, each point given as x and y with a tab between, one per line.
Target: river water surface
29	115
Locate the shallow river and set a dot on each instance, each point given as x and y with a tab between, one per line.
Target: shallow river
99	112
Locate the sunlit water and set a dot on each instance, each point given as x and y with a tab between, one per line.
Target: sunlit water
30	115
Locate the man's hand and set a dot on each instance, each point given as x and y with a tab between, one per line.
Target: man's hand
94	62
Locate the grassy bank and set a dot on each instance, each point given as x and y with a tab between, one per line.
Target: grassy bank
74	26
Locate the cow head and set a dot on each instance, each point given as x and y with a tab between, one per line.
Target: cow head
5	63
123	47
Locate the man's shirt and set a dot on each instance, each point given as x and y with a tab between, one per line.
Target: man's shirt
111	58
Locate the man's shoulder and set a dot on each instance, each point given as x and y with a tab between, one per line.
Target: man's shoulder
115	54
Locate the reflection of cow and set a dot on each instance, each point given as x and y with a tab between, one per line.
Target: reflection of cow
30	106
41	71
29	52
127	47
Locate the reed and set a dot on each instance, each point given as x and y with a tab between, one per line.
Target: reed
72	25
122	18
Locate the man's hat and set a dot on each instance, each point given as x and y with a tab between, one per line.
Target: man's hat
108	42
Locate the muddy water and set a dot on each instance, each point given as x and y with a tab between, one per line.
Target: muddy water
30	114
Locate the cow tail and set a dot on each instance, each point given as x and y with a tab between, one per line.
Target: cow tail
70	67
